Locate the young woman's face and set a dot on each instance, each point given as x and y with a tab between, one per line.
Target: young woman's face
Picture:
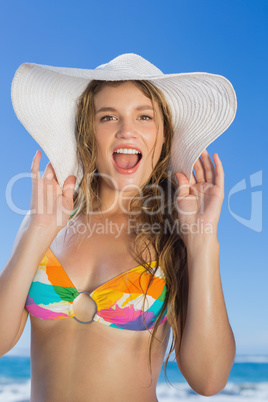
125	120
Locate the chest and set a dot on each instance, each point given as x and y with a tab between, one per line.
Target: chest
105	268
92	259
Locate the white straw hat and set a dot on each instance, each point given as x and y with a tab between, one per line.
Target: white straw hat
45	101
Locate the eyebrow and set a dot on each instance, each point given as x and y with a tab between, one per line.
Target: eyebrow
111	109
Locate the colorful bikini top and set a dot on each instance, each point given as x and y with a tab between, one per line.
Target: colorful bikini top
120	302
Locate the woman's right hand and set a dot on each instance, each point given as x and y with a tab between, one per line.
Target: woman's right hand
51	206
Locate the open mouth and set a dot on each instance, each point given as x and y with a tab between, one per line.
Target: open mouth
127	160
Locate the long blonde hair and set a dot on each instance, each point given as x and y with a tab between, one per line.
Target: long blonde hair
167	243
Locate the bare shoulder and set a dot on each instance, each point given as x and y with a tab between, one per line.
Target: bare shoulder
68	237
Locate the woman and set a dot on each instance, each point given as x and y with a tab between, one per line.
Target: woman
101	323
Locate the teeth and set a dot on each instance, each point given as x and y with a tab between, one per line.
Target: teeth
127	151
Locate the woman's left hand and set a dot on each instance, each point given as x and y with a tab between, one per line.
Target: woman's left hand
199	201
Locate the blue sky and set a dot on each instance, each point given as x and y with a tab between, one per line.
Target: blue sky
222	37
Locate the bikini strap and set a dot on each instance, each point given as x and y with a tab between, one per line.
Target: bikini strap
74	211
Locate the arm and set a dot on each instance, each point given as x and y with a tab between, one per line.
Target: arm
36	233
207	350
29	247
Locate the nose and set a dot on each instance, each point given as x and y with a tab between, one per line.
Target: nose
126	129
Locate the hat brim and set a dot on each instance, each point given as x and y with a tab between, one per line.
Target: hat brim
45	98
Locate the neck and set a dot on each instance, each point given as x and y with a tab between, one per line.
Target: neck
115	202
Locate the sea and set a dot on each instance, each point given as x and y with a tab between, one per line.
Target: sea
248	381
